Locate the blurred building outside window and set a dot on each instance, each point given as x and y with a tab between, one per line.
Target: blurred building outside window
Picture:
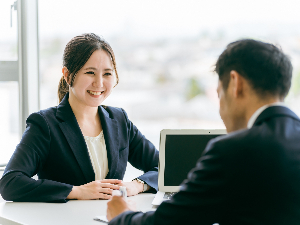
165	53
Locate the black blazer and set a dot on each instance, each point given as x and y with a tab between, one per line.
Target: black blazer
249	177
53	147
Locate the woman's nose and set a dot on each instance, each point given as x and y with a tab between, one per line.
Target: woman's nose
98	82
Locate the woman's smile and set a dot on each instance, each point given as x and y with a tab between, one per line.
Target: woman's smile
95	94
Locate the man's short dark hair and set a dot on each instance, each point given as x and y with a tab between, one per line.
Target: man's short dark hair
267	69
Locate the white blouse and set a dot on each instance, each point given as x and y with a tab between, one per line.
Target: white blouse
98	155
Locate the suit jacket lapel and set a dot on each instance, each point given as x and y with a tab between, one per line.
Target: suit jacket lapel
75	139
110	132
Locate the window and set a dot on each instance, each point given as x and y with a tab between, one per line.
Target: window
9	90
165	52
19	79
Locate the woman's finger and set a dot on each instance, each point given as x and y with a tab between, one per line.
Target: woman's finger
106	190
107	185
104	196
112	181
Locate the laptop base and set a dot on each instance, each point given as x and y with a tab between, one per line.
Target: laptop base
162	196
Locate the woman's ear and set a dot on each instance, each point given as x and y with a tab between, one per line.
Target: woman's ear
65	72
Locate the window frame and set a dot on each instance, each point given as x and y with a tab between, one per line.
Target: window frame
26	69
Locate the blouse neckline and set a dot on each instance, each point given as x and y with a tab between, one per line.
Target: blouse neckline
94	138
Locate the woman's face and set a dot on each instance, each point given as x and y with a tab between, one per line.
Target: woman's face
94	81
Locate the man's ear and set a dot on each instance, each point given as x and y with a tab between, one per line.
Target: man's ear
237	84
65	72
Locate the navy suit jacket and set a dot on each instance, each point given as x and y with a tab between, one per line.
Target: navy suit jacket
54	148
249	177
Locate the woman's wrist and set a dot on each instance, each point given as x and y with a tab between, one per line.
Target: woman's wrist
74	193
139	186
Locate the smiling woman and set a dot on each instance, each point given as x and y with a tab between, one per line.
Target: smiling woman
80	149
79	52
94	82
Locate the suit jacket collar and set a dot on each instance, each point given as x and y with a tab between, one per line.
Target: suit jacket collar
74	136
259	111
275	111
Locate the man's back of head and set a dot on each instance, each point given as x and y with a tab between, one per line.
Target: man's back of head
264	65
251	74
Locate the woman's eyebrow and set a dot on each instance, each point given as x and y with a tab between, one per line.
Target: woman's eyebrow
90	68
93	68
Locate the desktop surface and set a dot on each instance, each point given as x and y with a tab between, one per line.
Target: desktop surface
73	212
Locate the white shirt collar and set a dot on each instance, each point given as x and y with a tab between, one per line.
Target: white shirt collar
260	110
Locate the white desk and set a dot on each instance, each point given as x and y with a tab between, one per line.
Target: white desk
73	212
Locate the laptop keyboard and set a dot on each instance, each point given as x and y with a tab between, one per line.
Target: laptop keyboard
168	195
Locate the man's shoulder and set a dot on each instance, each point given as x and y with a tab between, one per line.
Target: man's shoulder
258	140
237	142
233	138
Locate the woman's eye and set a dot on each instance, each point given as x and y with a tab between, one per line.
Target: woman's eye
107	74
90	72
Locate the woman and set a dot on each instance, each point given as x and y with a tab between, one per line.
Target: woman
80	150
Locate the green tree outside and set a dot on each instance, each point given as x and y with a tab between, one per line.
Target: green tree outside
194	89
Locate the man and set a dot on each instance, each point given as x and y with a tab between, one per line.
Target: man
252	175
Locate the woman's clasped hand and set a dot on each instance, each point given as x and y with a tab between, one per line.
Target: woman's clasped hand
102	189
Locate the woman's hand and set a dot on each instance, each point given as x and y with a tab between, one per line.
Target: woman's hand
99	189
132	187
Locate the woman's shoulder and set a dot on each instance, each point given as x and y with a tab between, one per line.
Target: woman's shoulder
48	111
114	112
47	114
112	109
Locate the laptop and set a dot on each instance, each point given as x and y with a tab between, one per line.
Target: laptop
179	151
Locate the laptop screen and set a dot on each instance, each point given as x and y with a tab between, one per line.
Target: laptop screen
181	154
